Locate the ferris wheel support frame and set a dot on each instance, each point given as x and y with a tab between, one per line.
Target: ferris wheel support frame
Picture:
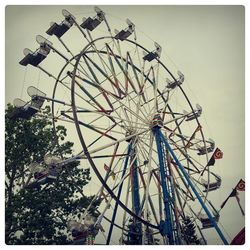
118	196
193	188
168	223
136	204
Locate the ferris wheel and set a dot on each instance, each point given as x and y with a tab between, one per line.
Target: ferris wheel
135	126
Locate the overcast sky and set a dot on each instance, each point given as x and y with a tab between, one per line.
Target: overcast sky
205	42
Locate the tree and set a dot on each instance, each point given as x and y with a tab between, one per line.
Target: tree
39	216
189	233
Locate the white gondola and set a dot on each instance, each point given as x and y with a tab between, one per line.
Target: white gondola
52	163
37	97
154	54
206	149
35	58
124	34
181	76
195	114
91	23
89	220
178	82
44	173
39	172
51	160
67	14
60	29
42	41
26	110
78	231
33	184
206	222
93	227
213	185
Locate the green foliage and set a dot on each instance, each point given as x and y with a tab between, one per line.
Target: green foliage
189	232
39	216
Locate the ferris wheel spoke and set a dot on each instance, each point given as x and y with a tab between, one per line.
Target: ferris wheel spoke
143	143
109	115
146	197
60	81
65	46
108	156
95	81
145	113
138	106
177	127
157	181
99	113
123	68
186	157
126	138
129	59
187	193
49	44
176	119
126	204
111	170
150	172
177	190
84	71
91	127
94	100
102	135
124	107
113	84
88	94
119	193
155	80
97	84
114	73
125	71
142	82
105	65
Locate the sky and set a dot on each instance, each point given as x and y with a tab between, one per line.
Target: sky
205	42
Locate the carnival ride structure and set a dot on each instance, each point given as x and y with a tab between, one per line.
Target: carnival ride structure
136	128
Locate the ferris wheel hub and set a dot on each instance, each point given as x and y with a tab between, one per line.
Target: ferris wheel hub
128	133
157	121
